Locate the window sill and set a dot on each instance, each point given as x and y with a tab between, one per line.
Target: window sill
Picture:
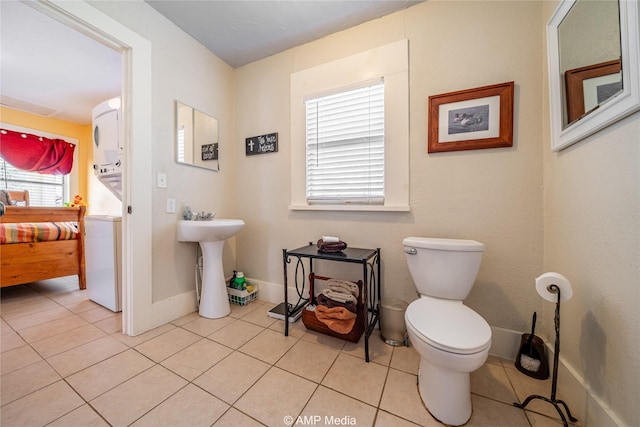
362	208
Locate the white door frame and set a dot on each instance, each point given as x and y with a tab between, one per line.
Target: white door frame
137	304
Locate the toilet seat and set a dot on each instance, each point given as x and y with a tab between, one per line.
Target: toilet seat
449	325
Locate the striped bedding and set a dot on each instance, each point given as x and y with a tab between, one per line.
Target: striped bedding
29	232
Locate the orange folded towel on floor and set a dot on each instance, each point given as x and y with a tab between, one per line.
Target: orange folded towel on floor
338	319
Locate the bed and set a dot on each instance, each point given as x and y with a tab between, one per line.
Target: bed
40	260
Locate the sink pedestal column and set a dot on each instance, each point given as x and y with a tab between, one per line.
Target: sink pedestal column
214	302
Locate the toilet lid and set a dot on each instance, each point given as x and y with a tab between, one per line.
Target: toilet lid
449	325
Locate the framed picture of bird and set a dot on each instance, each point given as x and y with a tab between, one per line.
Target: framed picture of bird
471	119
590	86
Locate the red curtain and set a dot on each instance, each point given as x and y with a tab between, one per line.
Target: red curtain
35	153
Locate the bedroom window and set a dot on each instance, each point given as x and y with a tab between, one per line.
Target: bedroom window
345	146
44	189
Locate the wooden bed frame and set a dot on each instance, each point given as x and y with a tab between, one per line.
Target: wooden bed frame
28	262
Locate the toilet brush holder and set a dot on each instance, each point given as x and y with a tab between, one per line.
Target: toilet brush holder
531	359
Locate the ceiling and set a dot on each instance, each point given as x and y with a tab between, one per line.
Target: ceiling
241	32
50	69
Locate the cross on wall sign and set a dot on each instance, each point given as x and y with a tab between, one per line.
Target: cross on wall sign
261	144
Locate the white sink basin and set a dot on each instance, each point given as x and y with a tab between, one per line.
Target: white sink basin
208	231
211	235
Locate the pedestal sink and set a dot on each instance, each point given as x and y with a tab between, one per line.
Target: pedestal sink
211	235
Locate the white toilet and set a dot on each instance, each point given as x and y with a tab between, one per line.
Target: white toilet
452	339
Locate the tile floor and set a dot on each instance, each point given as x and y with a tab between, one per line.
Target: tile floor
65	362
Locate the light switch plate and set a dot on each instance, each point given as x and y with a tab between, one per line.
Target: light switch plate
162	180
171	205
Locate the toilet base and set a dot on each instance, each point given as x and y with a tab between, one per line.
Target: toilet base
445	393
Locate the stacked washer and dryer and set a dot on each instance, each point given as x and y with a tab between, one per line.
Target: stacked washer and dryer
103	242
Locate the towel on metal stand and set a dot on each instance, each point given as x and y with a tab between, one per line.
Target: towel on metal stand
331	247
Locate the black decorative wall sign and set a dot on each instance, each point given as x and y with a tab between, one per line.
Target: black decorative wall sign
210	151
261	144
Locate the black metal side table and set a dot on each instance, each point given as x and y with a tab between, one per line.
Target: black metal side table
368	258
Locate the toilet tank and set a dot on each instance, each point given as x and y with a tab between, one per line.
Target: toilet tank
443	268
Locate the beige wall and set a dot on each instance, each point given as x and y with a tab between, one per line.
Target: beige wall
575	212
493	196
592	236
185	71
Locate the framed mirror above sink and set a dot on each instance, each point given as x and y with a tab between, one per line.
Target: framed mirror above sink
196	138
594	78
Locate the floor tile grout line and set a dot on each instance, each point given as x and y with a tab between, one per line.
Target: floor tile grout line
61	378
513	389
12	320
317	385
400	416
64	378
47	361
164	400
110	389
232	405
86	402
271	366
384	385
306	403
125	381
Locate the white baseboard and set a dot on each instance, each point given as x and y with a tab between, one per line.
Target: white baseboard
504	343
274	292
172	308
180	305
584	403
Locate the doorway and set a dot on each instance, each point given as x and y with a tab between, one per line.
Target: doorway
137	307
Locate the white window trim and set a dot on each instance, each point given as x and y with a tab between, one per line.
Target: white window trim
390	62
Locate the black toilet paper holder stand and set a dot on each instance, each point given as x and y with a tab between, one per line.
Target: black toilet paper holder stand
554	382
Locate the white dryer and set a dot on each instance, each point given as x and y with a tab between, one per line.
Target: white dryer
107	144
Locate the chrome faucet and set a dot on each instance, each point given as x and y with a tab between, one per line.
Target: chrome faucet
205	216
197	216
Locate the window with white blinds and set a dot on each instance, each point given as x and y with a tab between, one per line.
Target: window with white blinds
345	146
44	189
